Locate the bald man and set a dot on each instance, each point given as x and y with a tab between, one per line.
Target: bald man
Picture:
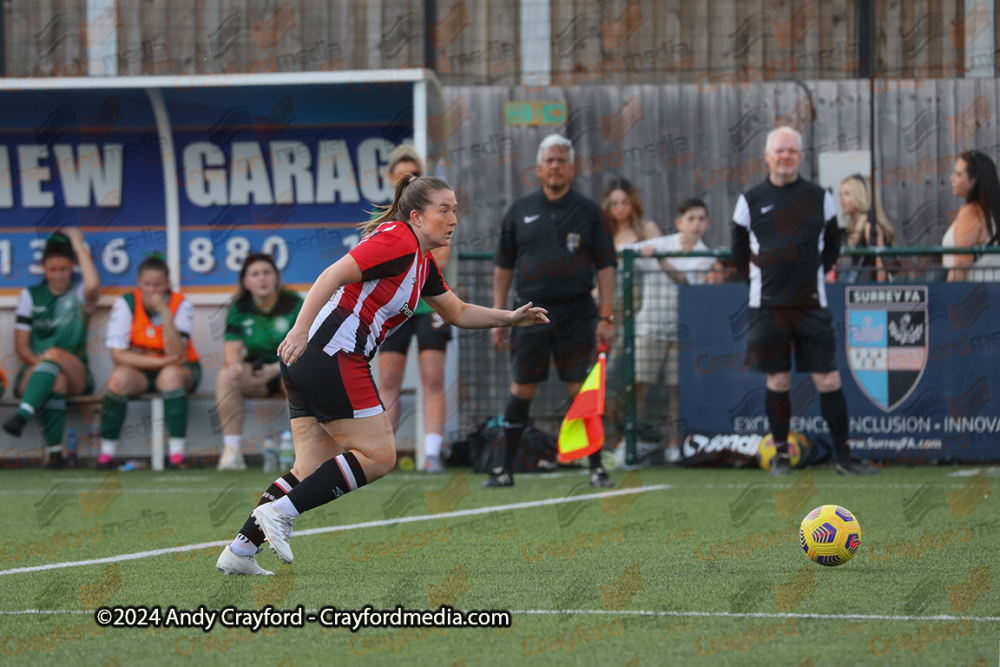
785	239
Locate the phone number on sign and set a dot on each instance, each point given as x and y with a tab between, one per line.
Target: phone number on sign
269	617
116	255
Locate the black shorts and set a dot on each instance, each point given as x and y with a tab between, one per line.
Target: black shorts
774	332
570	337
328	388
433	333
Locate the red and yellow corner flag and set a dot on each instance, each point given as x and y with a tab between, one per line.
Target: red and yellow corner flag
582	432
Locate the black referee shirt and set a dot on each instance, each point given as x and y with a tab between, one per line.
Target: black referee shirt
787	237
554	247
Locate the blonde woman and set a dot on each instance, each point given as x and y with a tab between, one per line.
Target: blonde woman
856	202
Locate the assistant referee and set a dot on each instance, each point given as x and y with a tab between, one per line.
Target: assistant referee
785	236
555	240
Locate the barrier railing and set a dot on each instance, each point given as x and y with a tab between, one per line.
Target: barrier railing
642	388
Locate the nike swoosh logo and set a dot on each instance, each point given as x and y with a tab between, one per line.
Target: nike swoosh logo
531	218
765	209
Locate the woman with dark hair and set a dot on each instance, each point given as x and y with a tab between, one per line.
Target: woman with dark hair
259	317
343	438
51	339
975	179
149	336
856	203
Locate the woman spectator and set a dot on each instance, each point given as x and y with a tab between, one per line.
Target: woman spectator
975	179
624	217
51	339
149	336
623	206
856	202
260	316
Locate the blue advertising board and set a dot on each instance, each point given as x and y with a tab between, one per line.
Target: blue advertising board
289	170
86	159
285	170
918	364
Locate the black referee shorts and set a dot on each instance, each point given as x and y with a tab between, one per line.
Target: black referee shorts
432	333
774	332
569	337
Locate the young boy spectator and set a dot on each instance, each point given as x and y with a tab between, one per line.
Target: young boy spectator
656	325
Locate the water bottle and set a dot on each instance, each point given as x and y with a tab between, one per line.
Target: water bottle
286	451
270	454
72	445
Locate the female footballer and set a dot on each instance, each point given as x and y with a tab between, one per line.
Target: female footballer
343	439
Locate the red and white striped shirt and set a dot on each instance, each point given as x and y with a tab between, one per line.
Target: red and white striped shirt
393	278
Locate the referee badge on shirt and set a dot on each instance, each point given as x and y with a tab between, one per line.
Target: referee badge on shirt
572	242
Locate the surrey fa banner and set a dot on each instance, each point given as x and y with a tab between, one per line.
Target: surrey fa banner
887	341
918	364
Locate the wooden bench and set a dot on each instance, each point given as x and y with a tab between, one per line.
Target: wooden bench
157	421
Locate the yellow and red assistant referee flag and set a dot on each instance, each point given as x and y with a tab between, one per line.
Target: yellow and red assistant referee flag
582	432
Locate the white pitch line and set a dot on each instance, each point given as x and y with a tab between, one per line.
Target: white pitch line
331	529
726	614
632	612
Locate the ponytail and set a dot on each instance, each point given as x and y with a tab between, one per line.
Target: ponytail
413	193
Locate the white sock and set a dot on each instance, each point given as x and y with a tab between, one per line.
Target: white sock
27	407
432	444
177	445
284	506
109	447
241	546
232	442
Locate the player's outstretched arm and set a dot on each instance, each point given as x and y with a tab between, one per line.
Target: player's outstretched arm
344	271
470	316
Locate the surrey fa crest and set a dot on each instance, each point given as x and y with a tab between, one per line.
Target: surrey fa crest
887	341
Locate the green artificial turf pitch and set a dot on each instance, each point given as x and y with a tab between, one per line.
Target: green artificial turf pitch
707	571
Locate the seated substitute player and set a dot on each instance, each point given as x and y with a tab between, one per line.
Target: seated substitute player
149	336
788	294
259	318
432	334
51	339
343	438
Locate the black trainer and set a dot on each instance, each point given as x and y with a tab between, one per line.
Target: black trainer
853	466
781	465
499	477
55	461
599	478
15	425
110	464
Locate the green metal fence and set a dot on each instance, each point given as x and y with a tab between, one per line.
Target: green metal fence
642	391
